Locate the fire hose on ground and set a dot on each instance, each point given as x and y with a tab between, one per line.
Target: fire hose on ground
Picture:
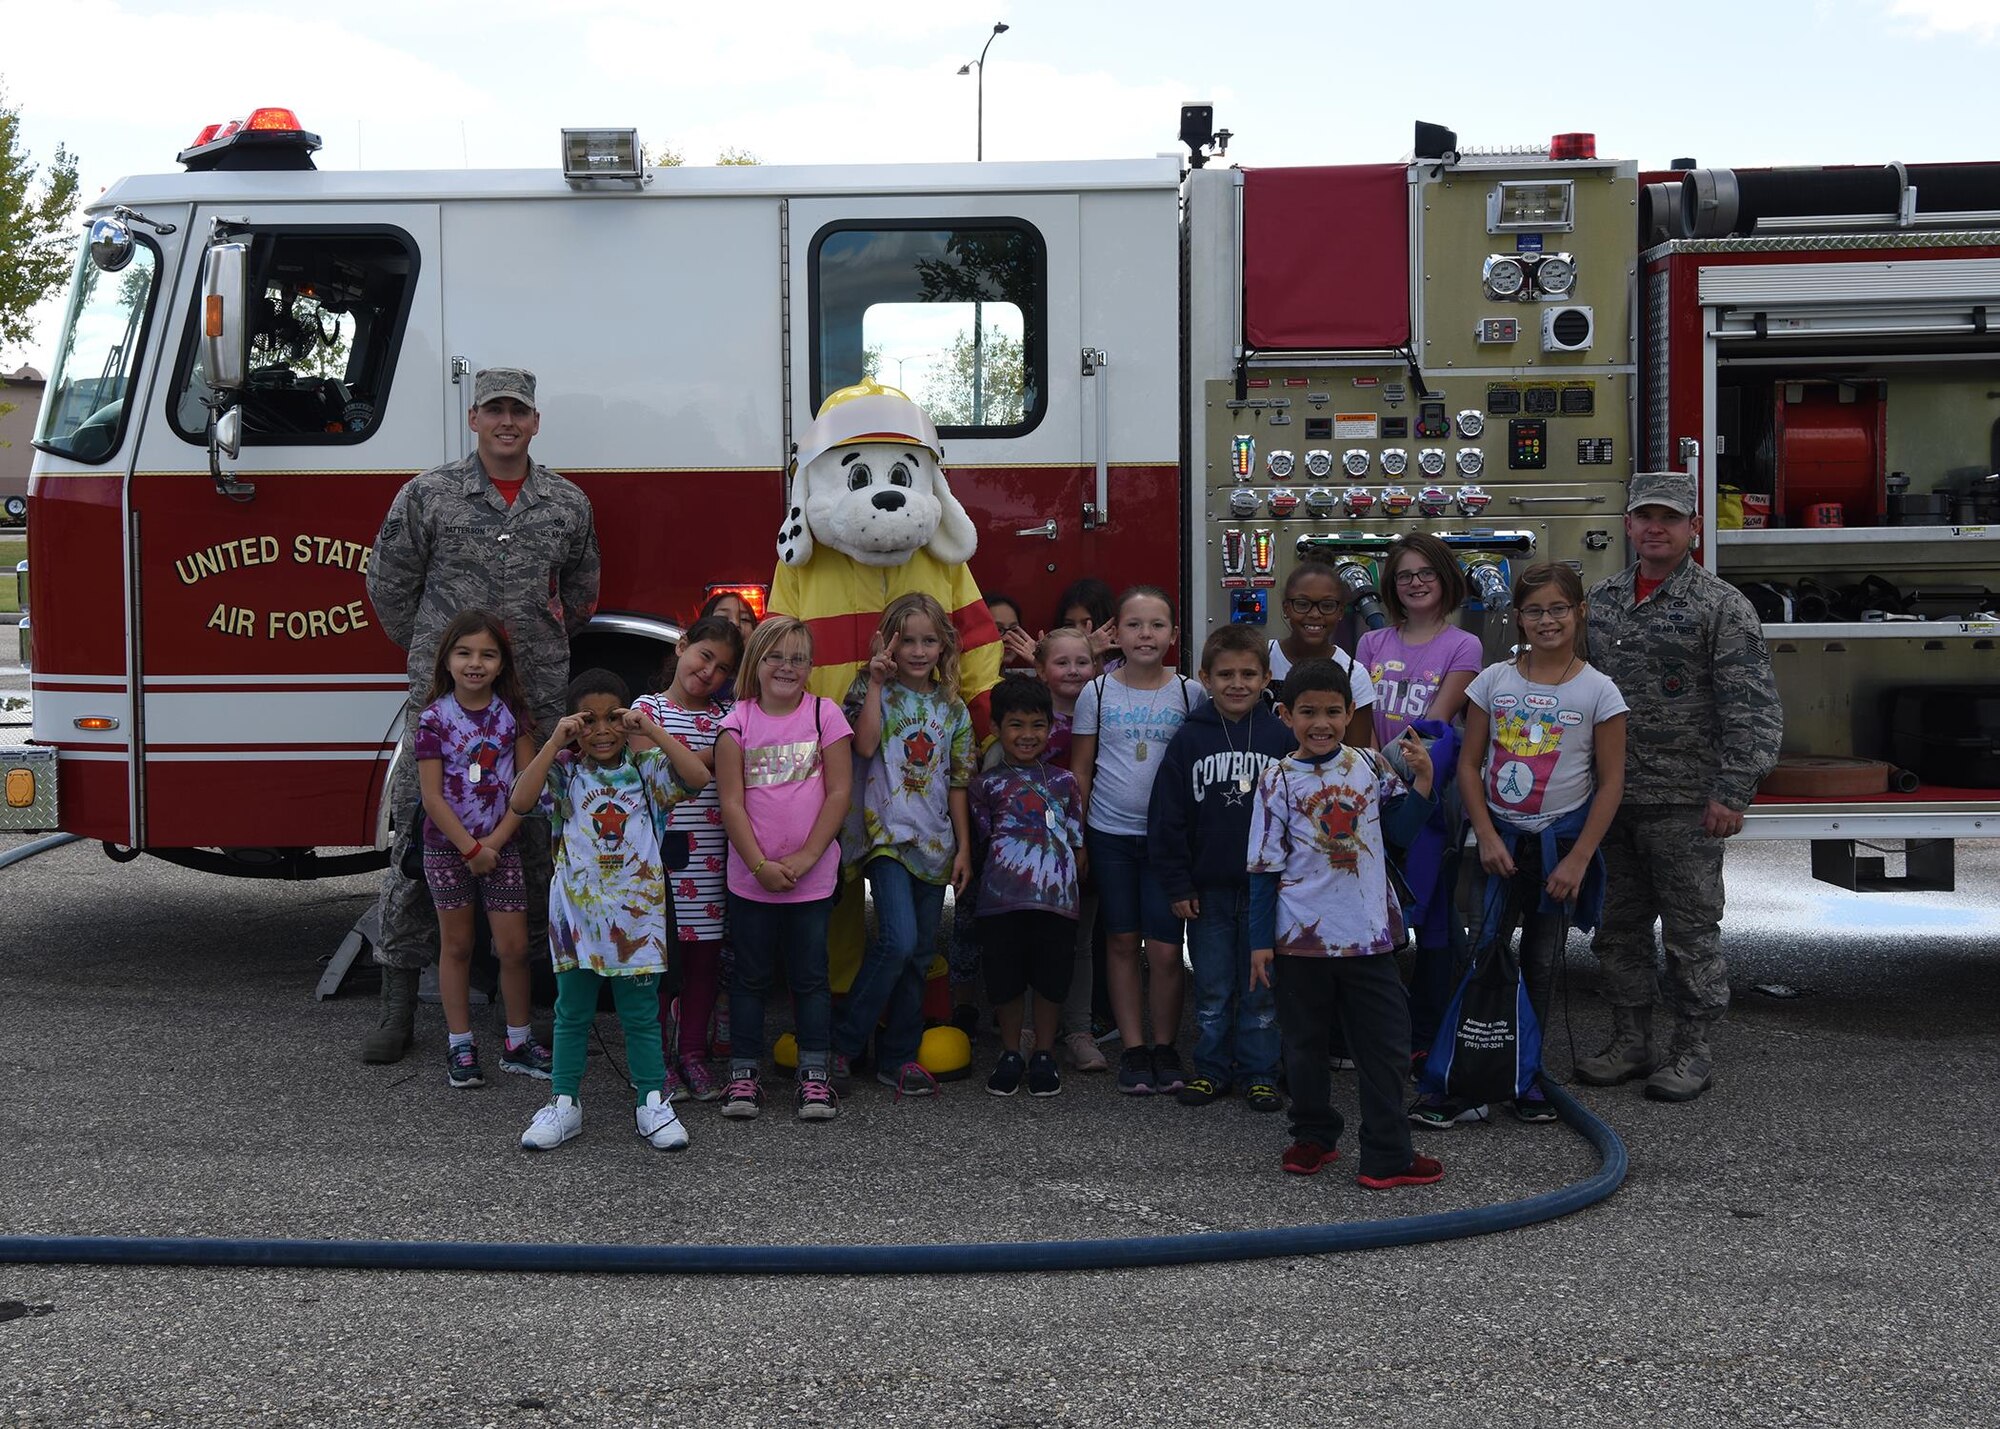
954	1259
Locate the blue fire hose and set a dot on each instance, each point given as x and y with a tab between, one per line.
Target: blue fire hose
961	1259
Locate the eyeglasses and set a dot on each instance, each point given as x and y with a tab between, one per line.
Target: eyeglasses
799	662
1552	612
1298	605
1423	577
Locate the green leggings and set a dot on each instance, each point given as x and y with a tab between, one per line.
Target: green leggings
638	1002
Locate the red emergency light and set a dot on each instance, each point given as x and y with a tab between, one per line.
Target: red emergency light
270	118
1573	146
269	137
754	596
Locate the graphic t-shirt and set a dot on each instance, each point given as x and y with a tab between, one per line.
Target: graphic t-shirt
1541	758
1132	729
784	788
1061	730
477	750
904	789
1317	824
1406	677
607	908
1362	688
1030	822
698	888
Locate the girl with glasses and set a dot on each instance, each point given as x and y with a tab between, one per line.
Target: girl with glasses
1420	662
783	760
1314	607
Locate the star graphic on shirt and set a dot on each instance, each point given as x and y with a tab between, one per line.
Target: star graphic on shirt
1234	794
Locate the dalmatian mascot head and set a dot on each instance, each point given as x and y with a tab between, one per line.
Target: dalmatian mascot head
867	483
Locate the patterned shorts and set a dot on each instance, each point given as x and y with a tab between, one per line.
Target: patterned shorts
504	890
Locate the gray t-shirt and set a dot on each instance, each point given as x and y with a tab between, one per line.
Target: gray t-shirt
1132	729
1541	752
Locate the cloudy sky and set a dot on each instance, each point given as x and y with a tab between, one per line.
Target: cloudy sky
414	84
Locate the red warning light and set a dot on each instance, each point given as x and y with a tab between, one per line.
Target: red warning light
205	135
1573	146
270	118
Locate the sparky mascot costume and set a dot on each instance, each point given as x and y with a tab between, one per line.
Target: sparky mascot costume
871	518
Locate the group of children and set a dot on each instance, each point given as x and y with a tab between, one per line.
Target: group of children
1275	813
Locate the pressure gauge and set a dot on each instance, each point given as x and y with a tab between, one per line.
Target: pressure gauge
1430	461
1354	461
1503	277
1471	423
1279	464
1471	461
1395	461
1555	275
1319	462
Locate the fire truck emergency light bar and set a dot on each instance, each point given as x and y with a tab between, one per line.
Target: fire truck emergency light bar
269	138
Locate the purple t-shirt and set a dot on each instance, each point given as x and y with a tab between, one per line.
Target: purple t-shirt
1031	822
784	788
476	748
1407	677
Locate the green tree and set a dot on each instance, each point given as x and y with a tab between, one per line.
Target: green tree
996	369
37	241
737	158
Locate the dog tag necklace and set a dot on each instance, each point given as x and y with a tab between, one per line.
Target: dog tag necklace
1242	761
1152	707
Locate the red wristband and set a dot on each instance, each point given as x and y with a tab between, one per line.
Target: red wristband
477	849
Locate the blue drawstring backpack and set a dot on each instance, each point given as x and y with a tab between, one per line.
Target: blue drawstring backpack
1489	1044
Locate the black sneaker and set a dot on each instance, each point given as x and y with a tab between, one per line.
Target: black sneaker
1534	1107
1167	1069
1135	1071
1199	1091
1044	1077
1262	1096
461	1065
1007	1073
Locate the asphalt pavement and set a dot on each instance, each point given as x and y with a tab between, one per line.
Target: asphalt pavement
1810	1243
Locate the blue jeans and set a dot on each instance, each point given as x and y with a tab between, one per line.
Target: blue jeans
1235	1025
762	933
890	986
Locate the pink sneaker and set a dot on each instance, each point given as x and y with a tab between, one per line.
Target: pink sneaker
672	1088
701	1082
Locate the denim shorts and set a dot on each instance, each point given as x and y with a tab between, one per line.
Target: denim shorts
1132	898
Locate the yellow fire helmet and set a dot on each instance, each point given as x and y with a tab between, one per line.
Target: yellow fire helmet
867	412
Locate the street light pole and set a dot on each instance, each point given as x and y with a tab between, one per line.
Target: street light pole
979	65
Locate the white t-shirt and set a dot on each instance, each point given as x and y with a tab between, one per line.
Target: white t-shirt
1132	729
1317	824
1358	682
1541	755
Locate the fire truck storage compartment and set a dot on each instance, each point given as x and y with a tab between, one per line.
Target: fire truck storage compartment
1326	258
1947	734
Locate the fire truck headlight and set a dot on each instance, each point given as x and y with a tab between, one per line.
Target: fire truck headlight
1503	277
1555	275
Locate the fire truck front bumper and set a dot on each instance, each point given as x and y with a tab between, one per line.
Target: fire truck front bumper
28	774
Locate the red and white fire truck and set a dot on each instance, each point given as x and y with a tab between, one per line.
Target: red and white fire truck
1190	376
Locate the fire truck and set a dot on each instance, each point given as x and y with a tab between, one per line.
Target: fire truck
1164	370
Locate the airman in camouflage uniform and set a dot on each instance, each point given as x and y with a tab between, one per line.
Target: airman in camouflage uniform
1687	652
453	539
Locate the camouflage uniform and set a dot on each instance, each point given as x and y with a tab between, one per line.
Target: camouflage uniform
450	542
1705	724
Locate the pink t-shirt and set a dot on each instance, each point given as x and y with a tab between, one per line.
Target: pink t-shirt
784	788
1407	677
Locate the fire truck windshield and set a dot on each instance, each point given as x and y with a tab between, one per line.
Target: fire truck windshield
83	413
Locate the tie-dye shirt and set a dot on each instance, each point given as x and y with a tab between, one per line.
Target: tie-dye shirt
477	750
607	901
904	791
1030	822
1317	824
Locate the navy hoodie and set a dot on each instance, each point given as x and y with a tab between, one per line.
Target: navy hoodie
1198	823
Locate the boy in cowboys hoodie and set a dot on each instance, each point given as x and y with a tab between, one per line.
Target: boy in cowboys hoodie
1199	831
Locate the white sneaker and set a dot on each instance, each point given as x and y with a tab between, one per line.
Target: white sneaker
555	1123
658	1124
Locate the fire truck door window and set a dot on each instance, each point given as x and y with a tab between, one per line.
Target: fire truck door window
83	413
327	314
955	316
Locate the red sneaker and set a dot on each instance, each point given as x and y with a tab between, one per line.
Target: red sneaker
1421	1171
1305	1158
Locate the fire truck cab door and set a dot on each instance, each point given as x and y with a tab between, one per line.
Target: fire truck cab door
271	697
967	302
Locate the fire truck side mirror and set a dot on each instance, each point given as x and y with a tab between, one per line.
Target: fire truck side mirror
225	321
229	431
